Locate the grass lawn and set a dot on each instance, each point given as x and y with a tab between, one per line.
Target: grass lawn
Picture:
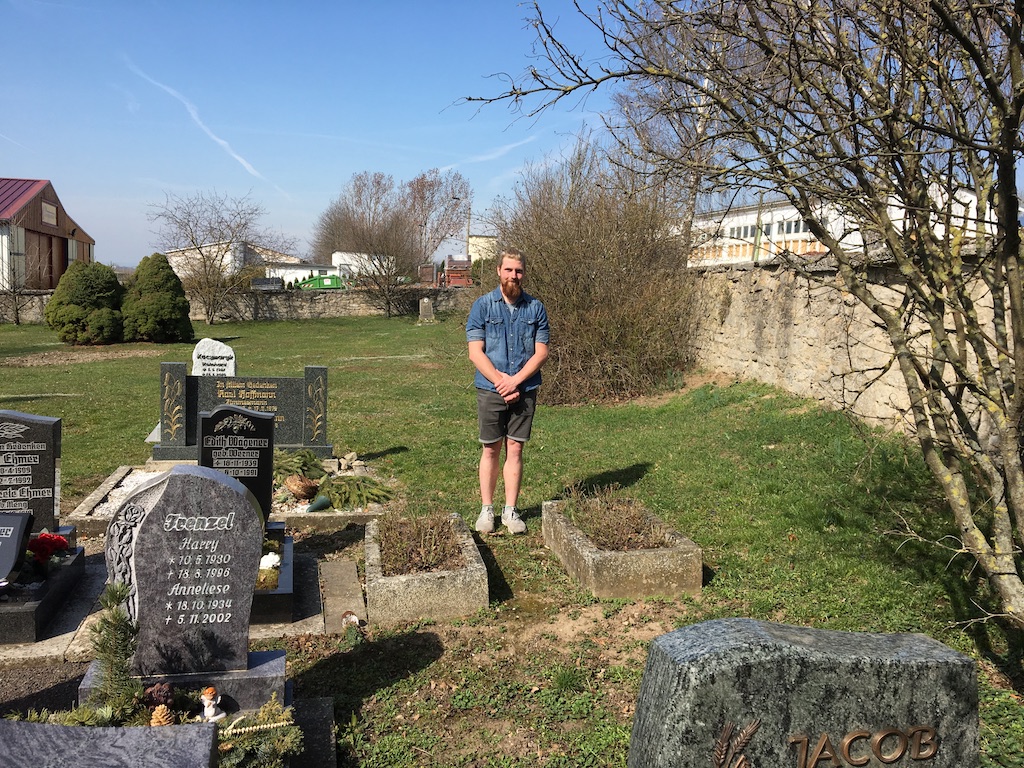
799	511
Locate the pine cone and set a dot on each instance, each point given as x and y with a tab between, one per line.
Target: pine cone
162	715
301	486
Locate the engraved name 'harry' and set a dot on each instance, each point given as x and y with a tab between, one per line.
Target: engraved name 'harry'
179	522
190	544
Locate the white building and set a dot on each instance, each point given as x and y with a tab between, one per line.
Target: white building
227	257
764	230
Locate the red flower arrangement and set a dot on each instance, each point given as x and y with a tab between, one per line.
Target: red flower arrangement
45	544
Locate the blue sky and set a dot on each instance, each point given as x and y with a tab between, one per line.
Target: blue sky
119	103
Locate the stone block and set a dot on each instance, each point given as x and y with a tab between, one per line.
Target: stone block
675	569
430	595
742	692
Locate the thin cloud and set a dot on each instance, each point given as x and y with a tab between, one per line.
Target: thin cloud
15	143
194	114
494	154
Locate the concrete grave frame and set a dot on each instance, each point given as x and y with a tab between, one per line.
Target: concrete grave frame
451	594
671	570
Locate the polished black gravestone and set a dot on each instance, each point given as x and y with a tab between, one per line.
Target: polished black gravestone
188	545
15	530
43	745
299	406
240	443
738	691
30	467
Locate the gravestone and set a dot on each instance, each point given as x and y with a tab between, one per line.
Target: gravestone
213	358
188	545
43	745
426	310
240	443
743	692
30	467
299	406
15	530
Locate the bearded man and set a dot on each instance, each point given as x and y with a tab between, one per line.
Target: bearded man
507	332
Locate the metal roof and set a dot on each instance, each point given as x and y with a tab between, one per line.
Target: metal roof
15	194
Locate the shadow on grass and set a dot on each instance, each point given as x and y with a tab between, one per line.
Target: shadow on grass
363	671
619	478
386	452
498	589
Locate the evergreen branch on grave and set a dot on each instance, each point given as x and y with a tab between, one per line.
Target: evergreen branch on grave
113	639
303	462
352	491
270	740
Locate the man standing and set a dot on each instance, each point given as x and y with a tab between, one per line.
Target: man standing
508	333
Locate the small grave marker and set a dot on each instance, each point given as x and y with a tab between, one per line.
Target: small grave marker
30	467
240	443
213	358
426	310
742	692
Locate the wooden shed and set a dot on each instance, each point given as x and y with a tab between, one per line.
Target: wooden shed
37	237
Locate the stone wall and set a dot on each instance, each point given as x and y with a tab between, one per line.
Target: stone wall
27	307
311	305
811	338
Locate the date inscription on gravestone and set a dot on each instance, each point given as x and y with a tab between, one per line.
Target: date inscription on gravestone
240	443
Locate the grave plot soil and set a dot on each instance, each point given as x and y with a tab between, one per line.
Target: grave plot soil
68	355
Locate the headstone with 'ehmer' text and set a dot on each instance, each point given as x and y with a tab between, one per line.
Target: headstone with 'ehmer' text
30	467
240	443
736	692
213	358
188	545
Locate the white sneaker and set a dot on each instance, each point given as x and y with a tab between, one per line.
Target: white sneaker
510	519
485	521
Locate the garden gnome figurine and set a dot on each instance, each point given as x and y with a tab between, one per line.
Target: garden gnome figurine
211	712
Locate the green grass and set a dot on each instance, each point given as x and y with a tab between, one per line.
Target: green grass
798	510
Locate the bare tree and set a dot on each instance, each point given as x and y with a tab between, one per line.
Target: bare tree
905	118
216	244
13	293
393	228
440	205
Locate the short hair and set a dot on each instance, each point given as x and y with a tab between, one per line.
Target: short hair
512	253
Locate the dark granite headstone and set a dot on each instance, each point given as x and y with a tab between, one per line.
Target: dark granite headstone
188	544
743	692
30	467
46	745
299	406
240	443
15	530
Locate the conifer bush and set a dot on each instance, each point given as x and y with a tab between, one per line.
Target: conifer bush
155	307
86	305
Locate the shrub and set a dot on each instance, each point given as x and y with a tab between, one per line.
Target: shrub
155	307
605	256
85	306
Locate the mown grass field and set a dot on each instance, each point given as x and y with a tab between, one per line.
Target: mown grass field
802	516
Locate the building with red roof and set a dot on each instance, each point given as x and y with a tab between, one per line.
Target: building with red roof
37	237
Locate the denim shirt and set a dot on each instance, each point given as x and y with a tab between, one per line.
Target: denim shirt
508	337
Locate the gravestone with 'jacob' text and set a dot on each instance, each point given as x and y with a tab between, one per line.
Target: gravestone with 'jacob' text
742	692
30	467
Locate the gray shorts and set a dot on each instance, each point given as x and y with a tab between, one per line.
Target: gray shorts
498	419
